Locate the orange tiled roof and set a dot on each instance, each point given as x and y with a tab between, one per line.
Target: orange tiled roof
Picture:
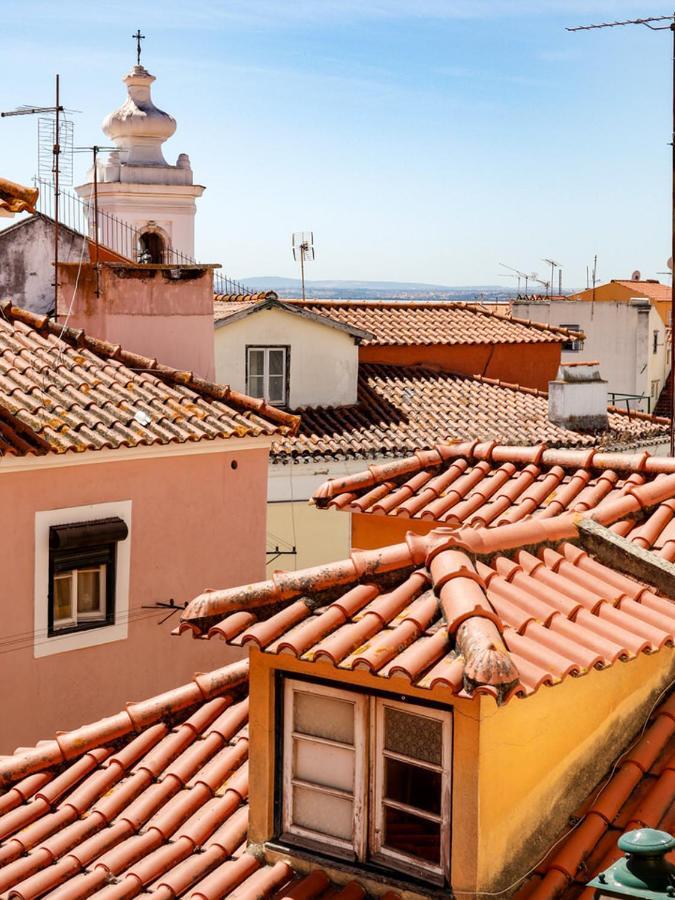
422	322
652	289
536	605
639	792
61	390
402	409
15	198
487	484
153	799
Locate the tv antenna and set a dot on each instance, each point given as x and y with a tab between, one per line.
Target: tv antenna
58	133
303	250
650	23
554	265
95	150
526	276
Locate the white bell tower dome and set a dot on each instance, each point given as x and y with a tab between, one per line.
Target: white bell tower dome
136	183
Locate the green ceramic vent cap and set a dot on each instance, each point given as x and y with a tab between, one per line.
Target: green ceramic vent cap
643	873
646	842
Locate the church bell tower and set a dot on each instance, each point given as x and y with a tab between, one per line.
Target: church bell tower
136	183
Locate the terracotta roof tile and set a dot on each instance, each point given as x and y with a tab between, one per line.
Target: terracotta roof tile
61	391
154	799
652	289
451	605
393	323
401	410
456	485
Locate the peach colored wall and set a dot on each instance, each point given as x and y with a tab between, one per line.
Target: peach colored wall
195	523
530	365
146	311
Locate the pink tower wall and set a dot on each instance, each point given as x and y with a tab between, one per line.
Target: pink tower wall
164	312
196	523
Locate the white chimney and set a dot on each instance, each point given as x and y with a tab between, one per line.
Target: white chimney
577	399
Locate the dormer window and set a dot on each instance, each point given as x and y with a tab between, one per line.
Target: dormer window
367	778
267	374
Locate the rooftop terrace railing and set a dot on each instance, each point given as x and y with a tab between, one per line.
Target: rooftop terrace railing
116	235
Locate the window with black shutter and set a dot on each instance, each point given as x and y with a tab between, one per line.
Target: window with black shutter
82	563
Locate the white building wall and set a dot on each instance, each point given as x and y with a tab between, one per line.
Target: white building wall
324	361
619	335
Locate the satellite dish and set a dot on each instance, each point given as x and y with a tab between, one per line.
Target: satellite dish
635	276
669	264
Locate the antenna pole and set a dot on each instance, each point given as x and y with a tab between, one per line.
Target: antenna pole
302	269
559	282
94	150
56	152
672	280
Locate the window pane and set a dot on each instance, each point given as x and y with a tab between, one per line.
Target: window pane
409	834
328	815
323	764
413	785
276	389
276	361
63	604
256	362
89	590
324	717
256	386
411	735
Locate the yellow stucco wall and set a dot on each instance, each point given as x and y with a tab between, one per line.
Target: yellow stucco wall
318	536
540	758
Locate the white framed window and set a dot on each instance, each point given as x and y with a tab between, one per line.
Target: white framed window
82	572
267	374
367	778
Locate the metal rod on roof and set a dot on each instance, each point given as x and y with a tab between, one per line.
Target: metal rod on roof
670	27
57	151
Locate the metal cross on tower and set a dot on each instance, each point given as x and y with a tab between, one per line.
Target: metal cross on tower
138	37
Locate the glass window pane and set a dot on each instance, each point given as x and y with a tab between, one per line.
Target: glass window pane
256	386
411	835
411	735
256	362
323	764
276	389
89	590
324	717
328	815
276	361
412	785
63	603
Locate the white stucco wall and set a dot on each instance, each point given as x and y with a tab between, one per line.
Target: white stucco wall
619	335
27	262
171	208
323	360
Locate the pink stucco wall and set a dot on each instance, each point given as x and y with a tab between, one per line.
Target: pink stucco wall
146	310
196	523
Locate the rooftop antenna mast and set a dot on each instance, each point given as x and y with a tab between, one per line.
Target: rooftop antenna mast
670	26
554	265
58	129
303	250
526	276
95	150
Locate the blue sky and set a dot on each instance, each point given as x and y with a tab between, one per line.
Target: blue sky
421	140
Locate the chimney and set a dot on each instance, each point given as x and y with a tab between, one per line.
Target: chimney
577	399
161	311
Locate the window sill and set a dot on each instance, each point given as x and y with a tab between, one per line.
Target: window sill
341	871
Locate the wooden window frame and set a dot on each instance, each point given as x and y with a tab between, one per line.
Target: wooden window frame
378	851
369	754
349	850
266	348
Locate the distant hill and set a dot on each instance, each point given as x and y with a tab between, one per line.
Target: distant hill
385	290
